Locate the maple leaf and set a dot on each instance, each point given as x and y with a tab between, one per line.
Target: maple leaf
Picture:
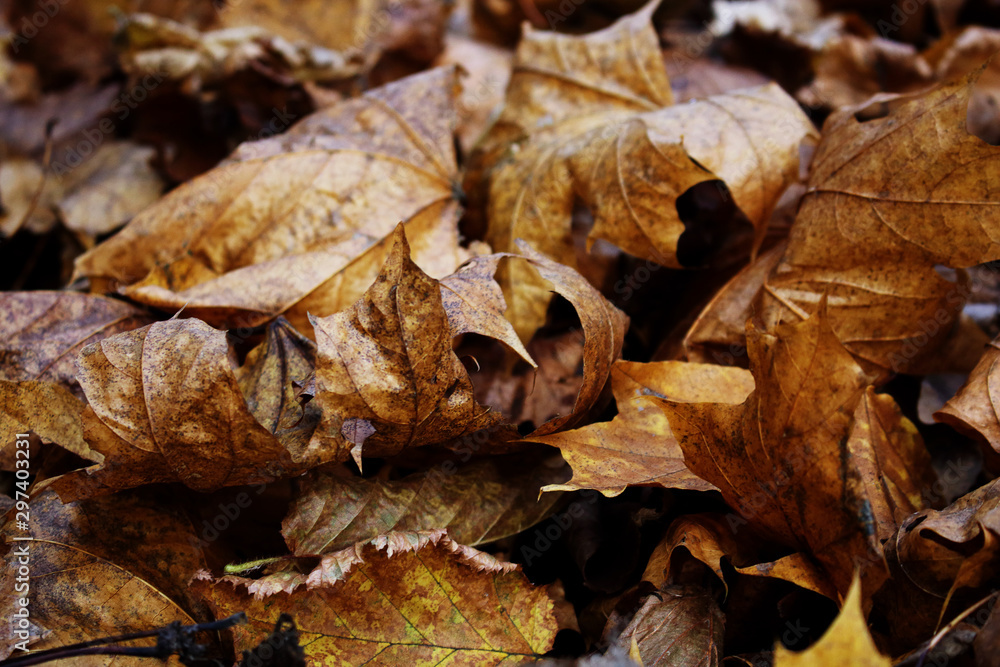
236	247
581	112
637	447
847	641
402	597
797	459
868	234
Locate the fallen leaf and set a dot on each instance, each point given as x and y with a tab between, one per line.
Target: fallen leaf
401	598
677	627
581	112
164	405
477	503
637	448
973	409
387	364
234	247
864	206
846	642
103	567
41	333
795	459
49	410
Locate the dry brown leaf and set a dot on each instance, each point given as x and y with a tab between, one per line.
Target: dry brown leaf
846	642
402	598
637	447
41	333
386	376
272	378
603	327
719	333
105	191
103	567
299	222
49	410
798	569
474	303
933	546
583	111
801	459
165	405
869	230
480	502
707	537
680	626
173	51
973	410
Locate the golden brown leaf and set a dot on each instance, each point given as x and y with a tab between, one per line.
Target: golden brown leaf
637	447
286	224
103	567
477	503
41	333
165	406
49	410
801	459
707	537
386	376
973	409
868	233
474	303
402	598
584	118
846	642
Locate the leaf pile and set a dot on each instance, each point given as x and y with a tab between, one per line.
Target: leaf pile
504	332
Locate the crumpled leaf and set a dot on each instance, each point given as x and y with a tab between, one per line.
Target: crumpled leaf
402	598
934	546
386	376
49	410
299	222
42	332
868	235
603	329
802	458
165	406
706	537
681	626
481	502
474	303
103	567
973	409
171	50
637	448
846	642
582	112
272	378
